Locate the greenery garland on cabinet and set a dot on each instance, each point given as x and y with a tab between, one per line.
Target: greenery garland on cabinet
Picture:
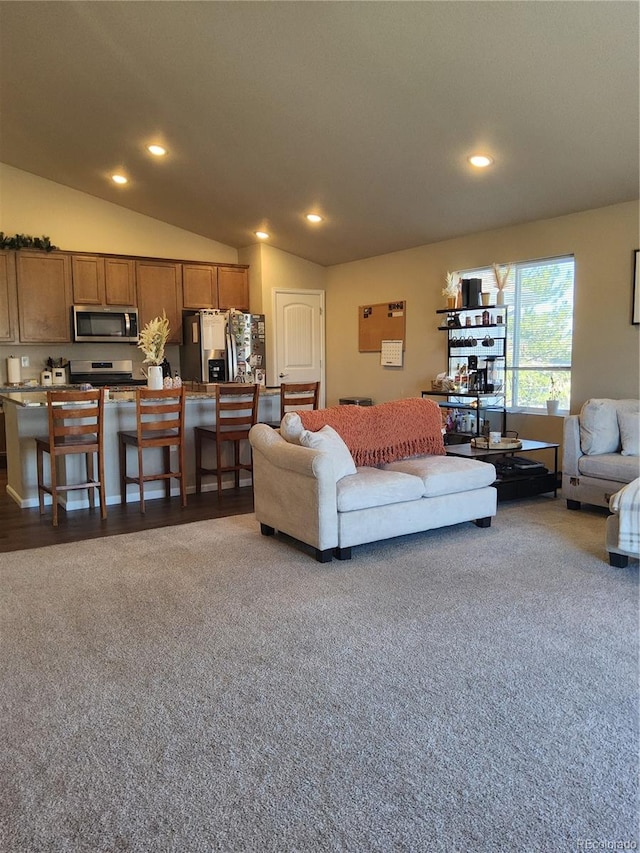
24	241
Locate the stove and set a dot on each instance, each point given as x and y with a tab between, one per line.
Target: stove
103	373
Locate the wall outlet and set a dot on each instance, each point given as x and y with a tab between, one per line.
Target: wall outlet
24	361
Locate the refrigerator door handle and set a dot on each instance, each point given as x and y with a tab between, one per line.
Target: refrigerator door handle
232	358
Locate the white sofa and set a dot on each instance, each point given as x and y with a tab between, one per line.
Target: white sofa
305	493
600	451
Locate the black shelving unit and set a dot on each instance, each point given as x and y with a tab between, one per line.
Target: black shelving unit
478	368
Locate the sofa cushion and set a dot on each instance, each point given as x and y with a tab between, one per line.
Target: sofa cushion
610	466
599	431
445	475
328	440
374	487
629	423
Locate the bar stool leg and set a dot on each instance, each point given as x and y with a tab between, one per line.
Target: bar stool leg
141	480
102	490
54	487
166	452
90	478
40	478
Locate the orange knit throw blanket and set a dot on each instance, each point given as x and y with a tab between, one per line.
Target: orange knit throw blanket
383	433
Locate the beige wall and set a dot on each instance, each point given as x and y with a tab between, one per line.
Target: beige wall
605	358
75	221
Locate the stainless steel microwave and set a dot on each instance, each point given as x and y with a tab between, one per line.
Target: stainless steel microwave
109	324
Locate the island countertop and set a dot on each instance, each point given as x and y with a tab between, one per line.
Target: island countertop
26	417
37	398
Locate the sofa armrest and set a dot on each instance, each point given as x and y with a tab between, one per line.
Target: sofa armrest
294	488
571	451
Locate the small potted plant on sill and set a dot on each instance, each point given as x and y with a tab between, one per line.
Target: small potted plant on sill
552	403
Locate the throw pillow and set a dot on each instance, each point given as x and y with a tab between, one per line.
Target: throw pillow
327	439
599	431
629	433
291	427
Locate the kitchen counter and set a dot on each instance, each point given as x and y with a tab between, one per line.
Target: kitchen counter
26	417
33	396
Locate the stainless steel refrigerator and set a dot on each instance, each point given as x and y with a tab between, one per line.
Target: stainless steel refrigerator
223	346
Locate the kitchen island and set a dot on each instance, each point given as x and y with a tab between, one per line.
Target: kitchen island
26	417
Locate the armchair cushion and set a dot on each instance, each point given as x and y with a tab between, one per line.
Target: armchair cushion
599	431
629	423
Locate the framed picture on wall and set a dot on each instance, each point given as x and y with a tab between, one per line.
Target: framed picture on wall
635	310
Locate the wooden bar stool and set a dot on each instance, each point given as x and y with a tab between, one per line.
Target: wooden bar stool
159	423
298	395
75	426
236	413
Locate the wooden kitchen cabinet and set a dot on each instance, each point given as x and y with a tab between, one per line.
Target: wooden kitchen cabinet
8	297
159	286
200	286
88	279
120	281
103	281
215	286
233	288
44	296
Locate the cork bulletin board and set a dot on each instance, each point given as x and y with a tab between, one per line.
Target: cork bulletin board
384	321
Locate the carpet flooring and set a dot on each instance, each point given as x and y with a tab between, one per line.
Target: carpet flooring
203	688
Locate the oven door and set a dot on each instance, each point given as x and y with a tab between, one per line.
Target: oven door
106	325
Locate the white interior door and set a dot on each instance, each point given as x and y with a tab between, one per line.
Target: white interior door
299	337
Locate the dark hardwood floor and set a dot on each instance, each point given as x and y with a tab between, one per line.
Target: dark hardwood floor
26	528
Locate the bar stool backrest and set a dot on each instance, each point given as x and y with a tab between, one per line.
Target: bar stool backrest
158	415
236	410
76	418
298	395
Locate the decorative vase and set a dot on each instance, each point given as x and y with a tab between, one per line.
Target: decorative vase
154	377
500	298
451	301
552	407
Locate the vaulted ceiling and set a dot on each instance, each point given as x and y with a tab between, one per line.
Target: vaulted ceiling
364	112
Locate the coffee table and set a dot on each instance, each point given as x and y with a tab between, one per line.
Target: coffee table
521	486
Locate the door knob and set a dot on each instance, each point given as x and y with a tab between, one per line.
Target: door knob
282	375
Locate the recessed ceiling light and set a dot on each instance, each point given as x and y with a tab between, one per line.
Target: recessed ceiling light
480	161
119	179
262	235
314	217
157	150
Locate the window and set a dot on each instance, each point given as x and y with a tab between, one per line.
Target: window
540	329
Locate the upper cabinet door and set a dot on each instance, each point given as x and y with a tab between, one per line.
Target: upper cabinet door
88	279
8	297
159	285
233	288
44	296
199	286
119	281
103	281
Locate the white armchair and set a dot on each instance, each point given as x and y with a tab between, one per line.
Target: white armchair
601	451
